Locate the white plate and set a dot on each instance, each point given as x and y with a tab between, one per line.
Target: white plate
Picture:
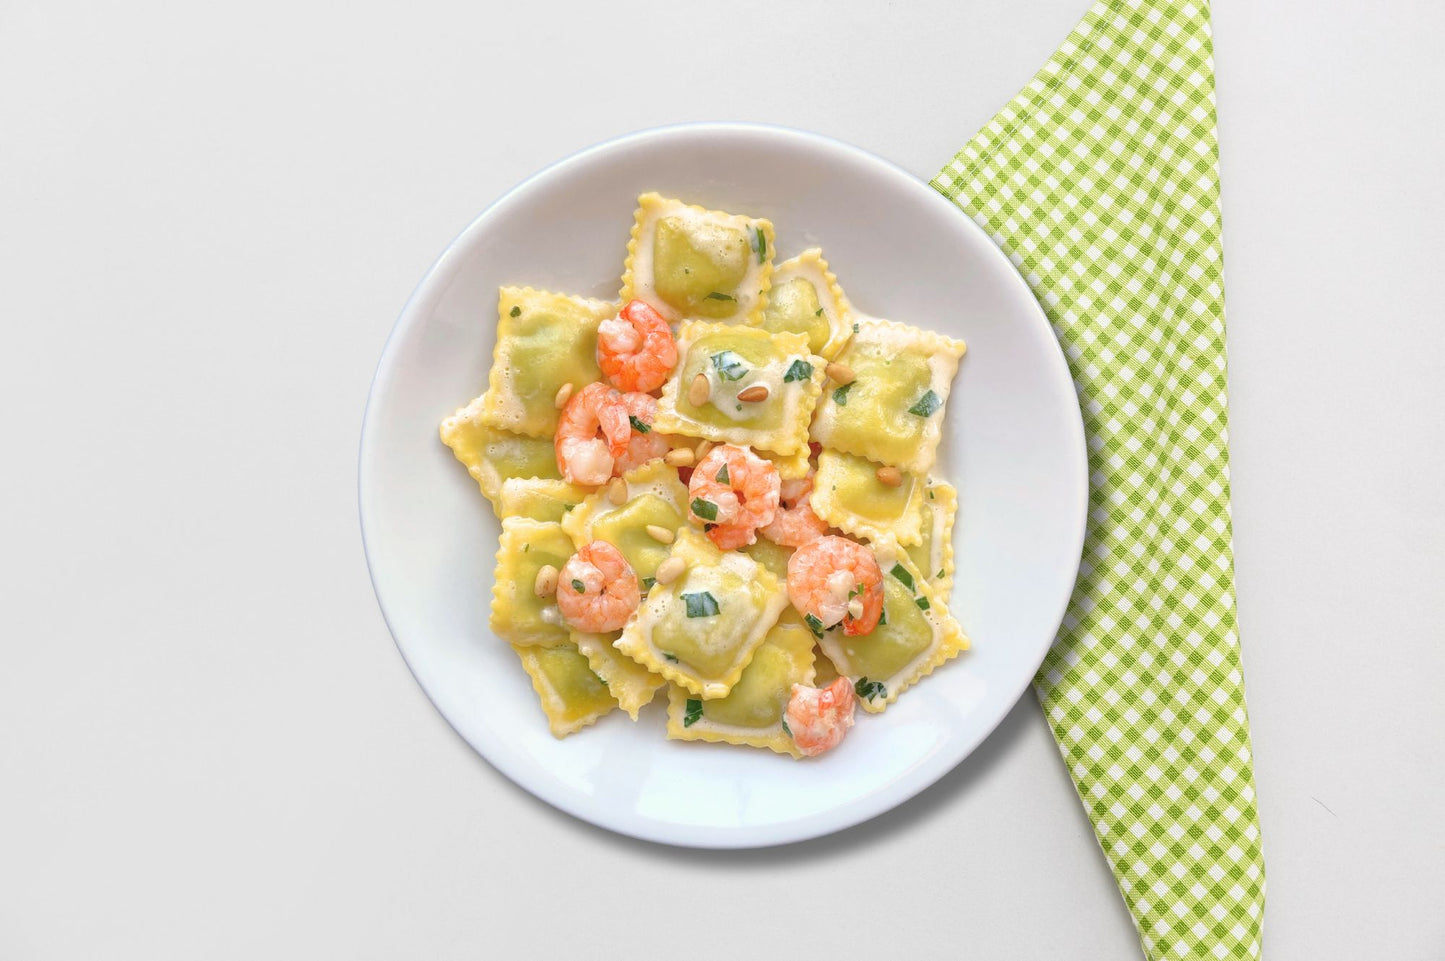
1014	447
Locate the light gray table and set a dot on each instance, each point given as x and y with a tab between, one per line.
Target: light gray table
210	215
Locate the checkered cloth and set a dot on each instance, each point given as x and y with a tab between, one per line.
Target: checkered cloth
1100	180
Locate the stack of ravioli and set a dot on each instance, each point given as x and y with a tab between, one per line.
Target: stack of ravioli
729	666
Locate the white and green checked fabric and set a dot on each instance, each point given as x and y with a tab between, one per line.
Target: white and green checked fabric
1100	180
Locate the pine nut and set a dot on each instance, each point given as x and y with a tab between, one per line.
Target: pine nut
890	476
617	492
702	449
754	394
563	394
670	570
839	374
678	457
700	391
546	583
660	534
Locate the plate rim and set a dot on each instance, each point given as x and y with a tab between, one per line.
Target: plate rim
902	789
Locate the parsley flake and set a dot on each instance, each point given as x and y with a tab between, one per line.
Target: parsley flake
761	244
814	625
882	616
729	366
799	370
926	404
694	712
818	312
638	425
701	604
940	573
855	328
707	510
787	730
900	572
578	586
922	603
647	583
719	295
840	396
515	312
722	475
868	690
669	656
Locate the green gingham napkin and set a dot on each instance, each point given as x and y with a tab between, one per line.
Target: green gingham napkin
1100	180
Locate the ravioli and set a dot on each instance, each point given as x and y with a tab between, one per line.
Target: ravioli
630	684
915	635
849	496
492	455
538	499
544	341
740	365
933	555
892	411
687	261
571	695
752	712
655	498
701	630
772	556
805	299
519	616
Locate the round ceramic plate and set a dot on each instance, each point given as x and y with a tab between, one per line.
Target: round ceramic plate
1013	445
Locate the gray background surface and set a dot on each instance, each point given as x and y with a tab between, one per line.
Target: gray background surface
210	215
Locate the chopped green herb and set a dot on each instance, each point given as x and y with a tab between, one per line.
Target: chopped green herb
940	573
669	656
729	365
526	548
687	270
578	586
840	396
857	589
926	404
567	507
639	426
814	625
761	244
882	616
799	370
647	583
701	604
787	730
722	475
707	510
600	679
738	406
855	328
719	295
818	312
694	712
868	690
901	572
515	312
922	603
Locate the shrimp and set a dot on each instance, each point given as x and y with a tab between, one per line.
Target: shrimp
597	589
795	524
583	456
834	579
642	445
635	349
739	493
817	718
